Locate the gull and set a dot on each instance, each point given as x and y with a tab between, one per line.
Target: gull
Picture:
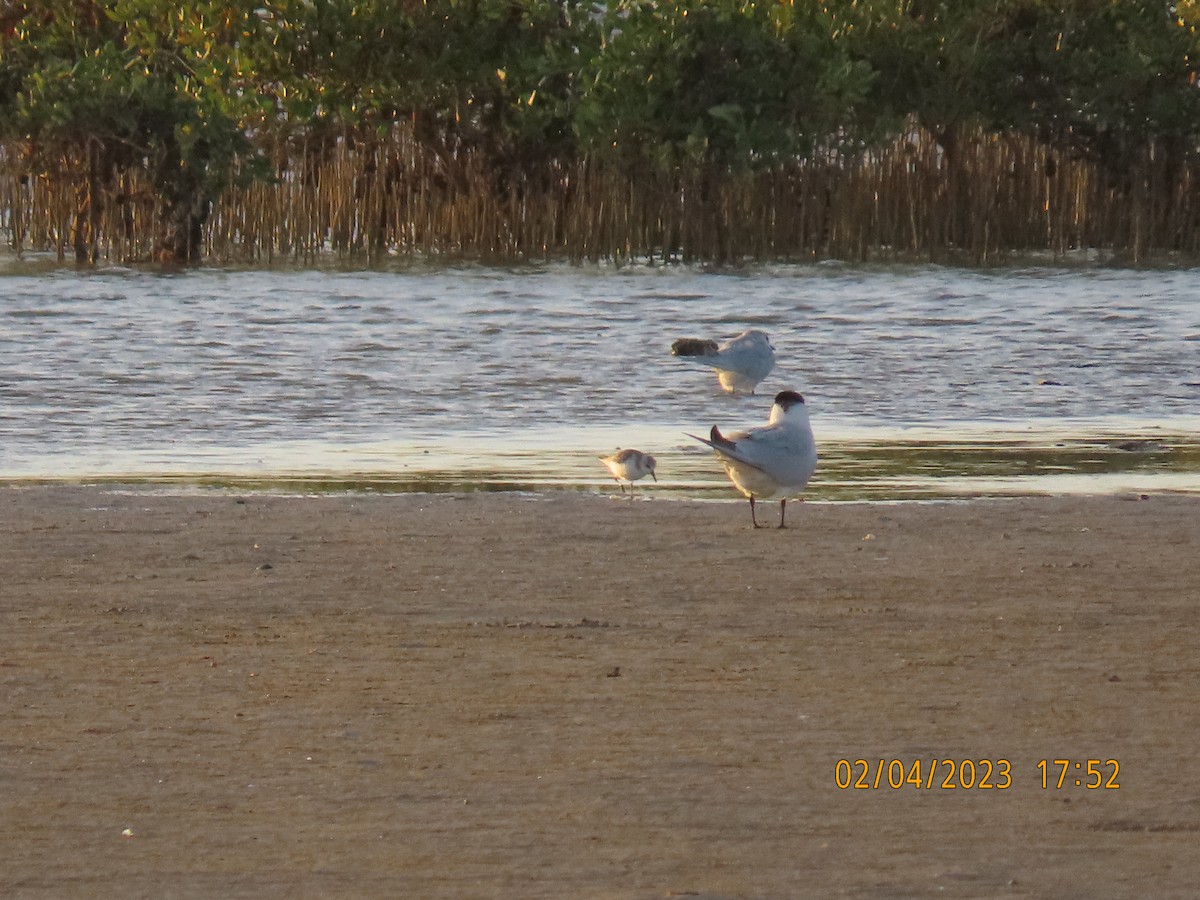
630	465
741	362
774	461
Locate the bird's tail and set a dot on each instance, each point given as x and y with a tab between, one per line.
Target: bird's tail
715	439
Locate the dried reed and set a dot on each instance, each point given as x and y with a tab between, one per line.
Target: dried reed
371	195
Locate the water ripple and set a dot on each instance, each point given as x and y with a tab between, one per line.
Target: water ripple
211	362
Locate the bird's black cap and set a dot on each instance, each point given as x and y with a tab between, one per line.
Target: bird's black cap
788	399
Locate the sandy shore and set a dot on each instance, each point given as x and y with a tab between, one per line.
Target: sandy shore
568	695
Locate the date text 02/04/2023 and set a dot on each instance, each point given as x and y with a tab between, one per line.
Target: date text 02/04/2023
971	774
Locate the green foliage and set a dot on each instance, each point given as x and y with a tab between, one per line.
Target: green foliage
1104	77
491	73
132	83
195	92
1085	74
725	83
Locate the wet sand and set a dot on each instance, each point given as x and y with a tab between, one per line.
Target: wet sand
568	695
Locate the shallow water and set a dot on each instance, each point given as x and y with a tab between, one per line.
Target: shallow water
921	381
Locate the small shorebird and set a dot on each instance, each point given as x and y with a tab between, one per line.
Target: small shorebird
741	362
773	462
630	465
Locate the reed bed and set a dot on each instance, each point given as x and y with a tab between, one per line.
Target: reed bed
374	195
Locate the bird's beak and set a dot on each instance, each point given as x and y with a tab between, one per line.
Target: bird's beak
655	477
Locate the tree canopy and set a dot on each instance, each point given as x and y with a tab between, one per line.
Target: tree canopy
198	97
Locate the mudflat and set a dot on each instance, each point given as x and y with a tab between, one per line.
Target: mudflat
573	695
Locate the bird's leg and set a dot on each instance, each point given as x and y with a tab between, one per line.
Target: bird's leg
782	511
752	519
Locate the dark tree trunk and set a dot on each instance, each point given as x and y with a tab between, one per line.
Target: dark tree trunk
184	205
182	225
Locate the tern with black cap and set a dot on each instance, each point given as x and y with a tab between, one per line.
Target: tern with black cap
774	461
